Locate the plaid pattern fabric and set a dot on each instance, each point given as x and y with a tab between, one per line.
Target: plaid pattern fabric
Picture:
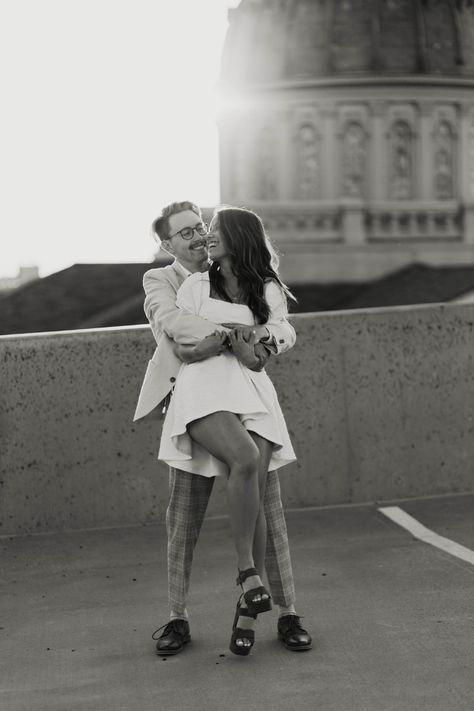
277	555
189	496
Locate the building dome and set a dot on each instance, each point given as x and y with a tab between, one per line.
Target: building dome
348	125
295	40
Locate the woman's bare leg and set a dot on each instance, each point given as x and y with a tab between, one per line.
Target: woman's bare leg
223	435
260	538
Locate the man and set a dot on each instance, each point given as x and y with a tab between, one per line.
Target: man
181	232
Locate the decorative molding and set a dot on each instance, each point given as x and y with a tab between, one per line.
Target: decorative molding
426	108
414	223
378	108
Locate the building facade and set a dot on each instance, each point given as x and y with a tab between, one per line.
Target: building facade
349	126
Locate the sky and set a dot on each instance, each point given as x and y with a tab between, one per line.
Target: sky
108	113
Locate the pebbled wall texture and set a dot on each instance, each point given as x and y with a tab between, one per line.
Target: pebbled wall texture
379	405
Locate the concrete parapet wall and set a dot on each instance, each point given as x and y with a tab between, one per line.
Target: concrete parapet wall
379	405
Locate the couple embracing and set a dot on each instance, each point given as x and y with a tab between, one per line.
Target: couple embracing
218	312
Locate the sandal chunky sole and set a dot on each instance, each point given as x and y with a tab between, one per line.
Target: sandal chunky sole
239	633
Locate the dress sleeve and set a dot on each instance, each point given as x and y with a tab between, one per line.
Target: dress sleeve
282	333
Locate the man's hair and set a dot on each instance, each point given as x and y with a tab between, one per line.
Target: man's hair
160	228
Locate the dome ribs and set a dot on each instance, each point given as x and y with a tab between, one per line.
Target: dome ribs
272	41
376	38
421	33
455	10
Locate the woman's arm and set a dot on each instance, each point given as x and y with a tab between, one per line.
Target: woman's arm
282	333
277	334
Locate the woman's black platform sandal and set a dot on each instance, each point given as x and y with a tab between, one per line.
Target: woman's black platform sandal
254	607
242	635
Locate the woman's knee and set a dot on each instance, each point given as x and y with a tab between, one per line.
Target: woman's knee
246	461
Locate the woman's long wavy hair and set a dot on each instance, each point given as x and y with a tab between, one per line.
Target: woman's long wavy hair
254	261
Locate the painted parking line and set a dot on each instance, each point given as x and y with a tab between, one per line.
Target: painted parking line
400	517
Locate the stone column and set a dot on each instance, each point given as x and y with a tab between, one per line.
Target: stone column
466	169
353	229
287	156
329	154
466	153
378	182
425	172
225	179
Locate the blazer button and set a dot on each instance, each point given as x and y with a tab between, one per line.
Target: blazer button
282	340
172	380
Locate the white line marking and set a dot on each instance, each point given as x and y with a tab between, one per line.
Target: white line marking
396	514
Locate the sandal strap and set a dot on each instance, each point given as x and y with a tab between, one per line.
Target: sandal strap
244	574
250	594
243	612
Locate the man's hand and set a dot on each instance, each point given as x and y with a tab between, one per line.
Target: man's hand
210	346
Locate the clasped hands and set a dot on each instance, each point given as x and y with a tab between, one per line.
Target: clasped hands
241	340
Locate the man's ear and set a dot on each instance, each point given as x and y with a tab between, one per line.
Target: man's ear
167	246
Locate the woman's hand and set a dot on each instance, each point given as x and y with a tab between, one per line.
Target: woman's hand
260	332
244	348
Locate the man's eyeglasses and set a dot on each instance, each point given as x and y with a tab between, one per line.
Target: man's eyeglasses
188	232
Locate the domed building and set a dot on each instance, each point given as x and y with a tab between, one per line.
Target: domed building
348	125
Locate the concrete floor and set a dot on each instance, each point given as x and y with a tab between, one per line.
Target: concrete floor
392	619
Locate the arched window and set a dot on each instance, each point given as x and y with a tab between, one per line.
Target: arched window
308	180
401	161
354	160
444	161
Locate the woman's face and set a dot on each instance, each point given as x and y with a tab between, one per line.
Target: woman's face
216	245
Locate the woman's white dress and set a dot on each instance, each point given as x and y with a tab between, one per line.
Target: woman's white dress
221	383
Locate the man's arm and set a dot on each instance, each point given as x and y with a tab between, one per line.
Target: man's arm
163	314
207	347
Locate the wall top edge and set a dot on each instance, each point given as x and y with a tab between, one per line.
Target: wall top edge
277	208
83	333
113	332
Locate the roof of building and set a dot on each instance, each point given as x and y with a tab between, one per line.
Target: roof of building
415	284
71	298
103	295
275	40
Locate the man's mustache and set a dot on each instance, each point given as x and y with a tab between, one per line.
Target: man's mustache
200	243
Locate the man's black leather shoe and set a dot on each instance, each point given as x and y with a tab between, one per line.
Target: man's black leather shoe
292	634
173	638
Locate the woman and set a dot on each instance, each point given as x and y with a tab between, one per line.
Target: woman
224	416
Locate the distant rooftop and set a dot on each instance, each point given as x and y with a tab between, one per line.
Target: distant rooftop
25	275
104	295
